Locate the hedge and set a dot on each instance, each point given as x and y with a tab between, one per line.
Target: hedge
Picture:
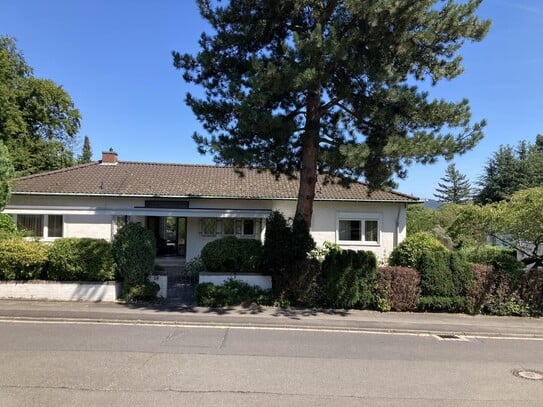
232	255
349	278
398	287
22	260
232	292
72	259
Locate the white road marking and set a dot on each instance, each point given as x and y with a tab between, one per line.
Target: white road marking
67	321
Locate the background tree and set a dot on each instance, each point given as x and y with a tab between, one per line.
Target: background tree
86	152
6	174
305	86
38	120
455	187
510	170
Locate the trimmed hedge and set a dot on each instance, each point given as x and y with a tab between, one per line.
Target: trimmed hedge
232	255
442	304
72	259
134	249
22	260
349	278
410	252
232	292
399	287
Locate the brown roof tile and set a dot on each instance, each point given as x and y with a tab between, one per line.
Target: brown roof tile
180	180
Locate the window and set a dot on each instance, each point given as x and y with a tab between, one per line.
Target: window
358	230
33	224
248	227
54	227
41	225
209	227
228	227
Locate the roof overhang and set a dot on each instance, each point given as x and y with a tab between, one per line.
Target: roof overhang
185	213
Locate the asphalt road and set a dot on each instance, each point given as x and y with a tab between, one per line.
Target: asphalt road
95	364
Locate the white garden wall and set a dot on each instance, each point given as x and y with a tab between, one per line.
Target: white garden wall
59	291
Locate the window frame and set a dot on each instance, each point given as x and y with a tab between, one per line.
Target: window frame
45	234
202	227
362	218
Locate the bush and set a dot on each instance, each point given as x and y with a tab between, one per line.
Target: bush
142	292
195	266
349	278
399	287
232	292
501	259
134	249
22	260
442	304
531	290
480	288
285	258
81	260
232	255
410	251
435	274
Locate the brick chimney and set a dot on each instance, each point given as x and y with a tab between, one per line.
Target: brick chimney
109	157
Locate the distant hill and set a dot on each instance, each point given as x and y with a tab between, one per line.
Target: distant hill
432	204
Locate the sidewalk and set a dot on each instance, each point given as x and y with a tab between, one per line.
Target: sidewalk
268	317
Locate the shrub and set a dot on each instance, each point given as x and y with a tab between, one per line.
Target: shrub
442	304
134	250
142	292
349	278
285	258
232	292
73	259
462	274
410	251
399	287
480	288
531	290
435	274
232	255
195	266
22	260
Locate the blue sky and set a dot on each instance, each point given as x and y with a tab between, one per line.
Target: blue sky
114	58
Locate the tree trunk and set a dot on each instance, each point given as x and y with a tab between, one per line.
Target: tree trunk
308	170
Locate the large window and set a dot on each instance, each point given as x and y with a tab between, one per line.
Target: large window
230	227
209	227
358	230
41	225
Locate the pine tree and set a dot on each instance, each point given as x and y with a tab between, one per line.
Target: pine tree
305	86
86	152
455	187
510	170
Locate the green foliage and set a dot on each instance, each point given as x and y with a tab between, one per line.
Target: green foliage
511	169
146	291
435	274
398	288
232	292
420	219
500	258
349	278
6	174
86	152
134	249
22	260
410	251
304	85
74	259
455	187
285	252
442	304
232	255
8	229
195	266
38	120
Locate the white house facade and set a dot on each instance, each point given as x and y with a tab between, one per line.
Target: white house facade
187	206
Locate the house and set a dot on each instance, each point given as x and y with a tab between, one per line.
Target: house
187	206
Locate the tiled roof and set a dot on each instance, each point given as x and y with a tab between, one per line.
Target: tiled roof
179	180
